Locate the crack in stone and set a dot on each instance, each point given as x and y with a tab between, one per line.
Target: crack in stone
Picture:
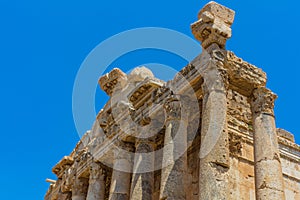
265	186
275	157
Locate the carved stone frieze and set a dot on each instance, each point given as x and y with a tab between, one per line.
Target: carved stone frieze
110	80
62	165
143	91
243	76
229	148
68	179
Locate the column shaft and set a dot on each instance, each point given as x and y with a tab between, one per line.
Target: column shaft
173	177
121	175
120	185
64	196
80	188
96	189
142	184
214	152
268	171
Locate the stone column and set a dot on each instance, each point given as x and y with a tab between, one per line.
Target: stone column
214	151
68	180
96	189
80	188
173	176
142	184
64	195
121	175
268	171
213	28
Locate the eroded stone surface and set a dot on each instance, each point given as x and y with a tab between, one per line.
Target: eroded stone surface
213	25
214	123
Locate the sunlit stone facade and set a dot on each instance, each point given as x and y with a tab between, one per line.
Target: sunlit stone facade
208	134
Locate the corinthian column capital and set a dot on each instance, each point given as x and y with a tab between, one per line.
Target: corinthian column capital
262	101
215	77
80	188
213	25
172	108
96	172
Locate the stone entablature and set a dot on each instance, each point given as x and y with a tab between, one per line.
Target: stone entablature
213	125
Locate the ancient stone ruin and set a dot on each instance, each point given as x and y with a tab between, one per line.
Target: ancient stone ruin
207	134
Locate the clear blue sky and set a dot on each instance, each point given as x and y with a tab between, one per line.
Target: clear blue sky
43	44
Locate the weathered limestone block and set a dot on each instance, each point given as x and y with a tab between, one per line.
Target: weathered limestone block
244	77
241	180
285	134
96	189
268	171
214	25
123	110
110	80
291	171
142	93
140	82
139	74
216	165
239	109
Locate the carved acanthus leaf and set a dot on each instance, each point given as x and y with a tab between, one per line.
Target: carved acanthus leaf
172	108
96	172
263	101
